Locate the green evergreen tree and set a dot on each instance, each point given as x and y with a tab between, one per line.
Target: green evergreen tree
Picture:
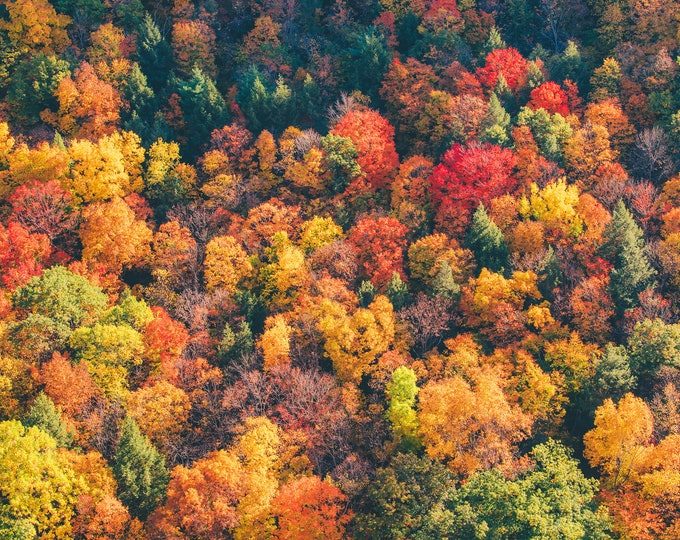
550	273
140	471
235	344
498	121
367	60
486	240
444	284
31	87
366	293
46	416
613	376
493	42
632	272
154	53
340	160
204	110
397	292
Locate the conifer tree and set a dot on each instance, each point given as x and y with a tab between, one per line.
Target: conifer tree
154	53
487	242
498	121
397	292
444	284
140	471
494	41
632	272
47	417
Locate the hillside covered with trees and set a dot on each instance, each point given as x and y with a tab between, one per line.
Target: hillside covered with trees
328	269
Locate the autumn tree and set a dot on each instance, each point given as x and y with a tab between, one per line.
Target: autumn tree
47	417
618	444
402	392
506	62
372	136
226	264
466	176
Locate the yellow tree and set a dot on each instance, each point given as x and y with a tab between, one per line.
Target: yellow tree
618	445
112	236
226	264
275	342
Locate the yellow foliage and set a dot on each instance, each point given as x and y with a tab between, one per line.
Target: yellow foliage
555	206
226	264
618	444
275	342
319	232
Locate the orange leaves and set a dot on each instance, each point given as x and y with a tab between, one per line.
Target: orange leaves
226	263
551	97
379	244
22	254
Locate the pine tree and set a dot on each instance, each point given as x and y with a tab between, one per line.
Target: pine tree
153	52
494	41
487	242
397	292
497	121
632	272
444	284
140	471
47	417
366	293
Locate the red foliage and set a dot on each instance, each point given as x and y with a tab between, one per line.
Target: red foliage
21	254
373	137
468	175
164	338
509	62
551	97
379	244
42	208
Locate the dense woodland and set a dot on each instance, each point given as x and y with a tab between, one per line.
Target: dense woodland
324	269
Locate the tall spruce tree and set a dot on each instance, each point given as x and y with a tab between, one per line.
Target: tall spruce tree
624	245
140	471
486	240
154	53
46	416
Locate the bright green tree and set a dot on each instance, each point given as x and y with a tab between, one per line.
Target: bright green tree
402	391
46	416
486	241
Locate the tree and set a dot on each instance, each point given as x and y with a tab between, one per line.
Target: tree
88	106
154	53
551	97
226	264
140	471
373	138
632	272
39	488
113	236
468	175
33	26
619	442
309	508
379	246
22	254
193	46
407	499
402	392
202	500
47	417
506	62
487	242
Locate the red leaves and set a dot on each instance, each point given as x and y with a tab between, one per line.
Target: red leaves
508	62
468	175
379	244
373	137
551	97
21	254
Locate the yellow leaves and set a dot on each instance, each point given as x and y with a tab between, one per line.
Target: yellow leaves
101	170
307	173
555	206
539	317
34	26
353	342
275	342
161	411
426	256
286	274
226	264
618	445
319	232
112	236
471	425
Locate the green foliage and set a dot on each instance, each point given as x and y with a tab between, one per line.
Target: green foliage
368	58
61	300
340	159
140	471
397	292
47	417
32	85
550	131
408	499
444	284
613	375
366	293
153	52
235	345
653	344
632	272
486	241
